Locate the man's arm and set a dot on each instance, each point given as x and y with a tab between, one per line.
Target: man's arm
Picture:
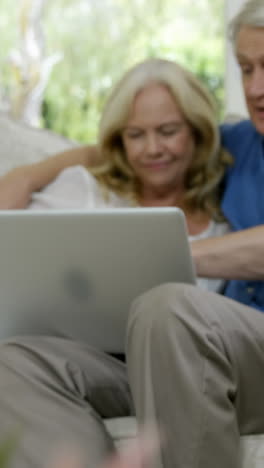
17	185
239	255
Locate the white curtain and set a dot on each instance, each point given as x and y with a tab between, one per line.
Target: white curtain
31	66
234	103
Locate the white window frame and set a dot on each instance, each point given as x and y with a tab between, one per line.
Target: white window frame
234	98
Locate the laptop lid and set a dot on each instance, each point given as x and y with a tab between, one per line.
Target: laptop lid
76	273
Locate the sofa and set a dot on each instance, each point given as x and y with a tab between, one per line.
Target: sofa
21	144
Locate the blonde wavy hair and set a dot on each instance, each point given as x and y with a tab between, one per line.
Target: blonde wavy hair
210	160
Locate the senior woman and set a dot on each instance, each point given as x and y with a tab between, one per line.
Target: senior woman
158	146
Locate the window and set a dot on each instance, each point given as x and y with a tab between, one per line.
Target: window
100	39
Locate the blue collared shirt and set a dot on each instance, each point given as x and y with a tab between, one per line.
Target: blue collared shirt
243	198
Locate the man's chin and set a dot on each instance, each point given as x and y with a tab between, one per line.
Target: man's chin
259	126
258	122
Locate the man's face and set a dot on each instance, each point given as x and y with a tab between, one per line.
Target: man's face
250	56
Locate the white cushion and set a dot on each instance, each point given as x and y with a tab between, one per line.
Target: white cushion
122	429
21	144
252	447
252	451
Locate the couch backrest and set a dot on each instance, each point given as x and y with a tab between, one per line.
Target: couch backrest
21	144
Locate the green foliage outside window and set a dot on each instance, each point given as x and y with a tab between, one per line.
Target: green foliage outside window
100	39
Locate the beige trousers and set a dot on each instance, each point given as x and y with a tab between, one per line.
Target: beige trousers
55	392
196	367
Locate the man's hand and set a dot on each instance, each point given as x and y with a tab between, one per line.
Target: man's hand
238	255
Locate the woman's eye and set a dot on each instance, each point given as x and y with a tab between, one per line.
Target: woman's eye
133	136
169	131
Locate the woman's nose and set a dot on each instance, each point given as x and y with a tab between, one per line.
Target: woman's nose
153	145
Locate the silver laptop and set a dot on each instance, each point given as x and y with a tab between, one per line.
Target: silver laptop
76	273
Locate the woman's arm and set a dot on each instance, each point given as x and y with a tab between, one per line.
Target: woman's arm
17	185
239	255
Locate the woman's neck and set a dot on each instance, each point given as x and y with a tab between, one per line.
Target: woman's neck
162	198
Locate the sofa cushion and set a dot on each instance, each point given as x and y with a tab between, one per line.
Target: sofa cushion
21	144
122	430
252	451
125	429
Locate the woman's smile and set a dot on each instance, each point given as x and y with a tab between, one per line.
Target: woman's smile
157	164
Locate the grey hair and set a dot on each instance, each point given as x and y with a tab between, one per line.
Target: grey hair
251	14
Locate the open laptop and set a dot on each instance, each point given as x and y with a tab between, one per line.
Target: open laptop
76	273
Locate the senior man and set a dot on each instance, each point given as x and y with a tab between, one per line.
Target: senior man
196	359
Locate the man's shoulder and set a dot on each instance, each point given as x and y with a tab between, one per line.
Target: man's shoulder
236	137
237	129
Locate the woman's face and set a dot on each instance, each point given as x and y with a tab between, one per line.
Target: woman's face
158	141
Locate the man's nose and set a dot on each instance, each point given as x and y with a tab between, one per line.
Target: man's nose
256	84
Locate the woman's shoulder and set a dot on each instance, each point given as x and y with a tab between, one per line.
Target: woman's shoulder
89	189
78	179
218	228
75	174
71	189
214	229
